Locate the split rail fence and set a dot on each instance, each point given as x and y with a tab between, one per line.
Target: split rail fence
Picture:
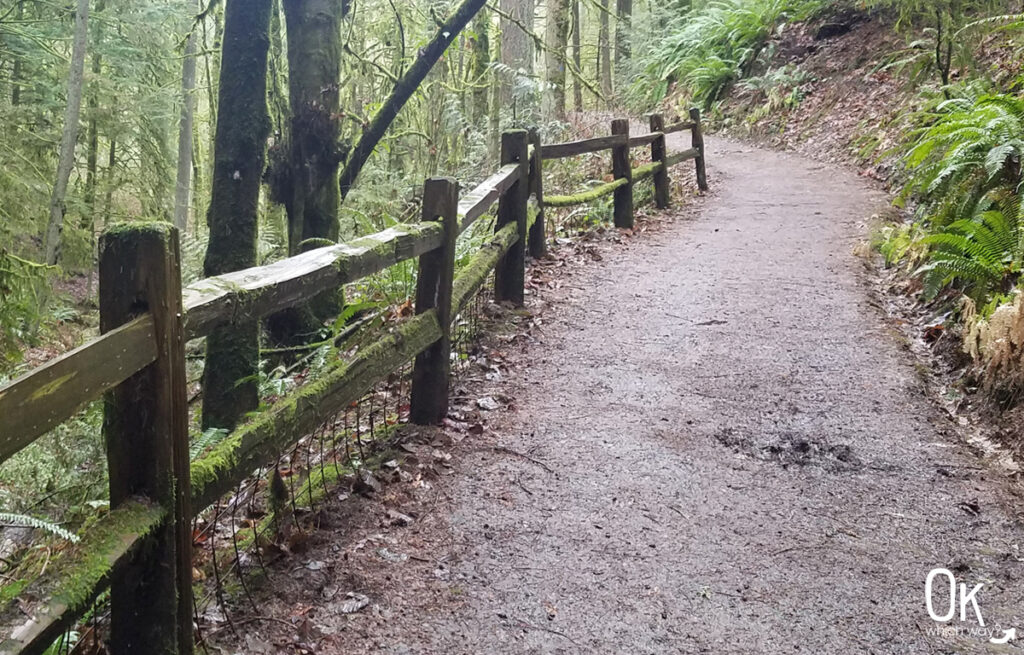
142	549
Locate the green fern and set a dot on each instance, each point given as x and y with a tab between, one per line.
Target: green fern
712	46
39	524
970	147
981	254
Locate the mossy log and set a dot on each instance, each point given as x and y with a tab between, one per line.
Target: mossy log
36	615
586	196
646	171
473	275
256	292
259	440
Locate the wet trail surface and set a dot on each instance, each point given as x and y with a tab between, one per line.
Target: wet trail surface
717	445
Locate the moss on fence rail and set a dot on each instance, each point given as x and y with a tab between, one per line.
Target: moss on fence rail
262	438
473	275
646	171
36	614
586	196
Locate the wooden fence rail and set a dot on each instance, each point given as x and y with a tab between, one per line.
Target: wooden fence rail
141	549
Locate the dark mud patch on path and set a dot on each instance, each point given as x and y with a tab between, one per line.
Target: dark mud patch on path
791	449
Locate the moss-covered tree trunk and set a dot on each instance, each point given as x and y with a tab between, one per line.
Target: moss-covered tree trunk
480	66
314	73
623	27
304	172
232	353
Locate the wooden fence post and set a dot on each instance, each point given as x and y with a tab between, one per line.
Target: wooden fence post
698	144
621	168
430	375
510	273
659	153
145	425
538	240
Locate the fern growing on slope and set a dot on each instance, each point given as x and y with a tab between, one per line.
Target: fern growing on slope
710	47
982	254
964	168
972	148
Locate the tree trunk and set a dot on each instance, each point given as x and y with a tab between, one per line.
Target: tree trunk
623	24
516	46
556	35
304	171
66	156
480	66
19	15
577	56
108	200
232	353
604	57
92	152
314	73
183	184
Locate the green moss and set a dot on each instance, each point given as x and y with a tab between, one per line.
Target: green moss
135	229
11	590
646	171
257	441
586	196
472	276
90	562
76	577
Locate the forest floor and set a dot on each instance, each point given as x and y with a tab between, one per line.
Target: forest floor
715	442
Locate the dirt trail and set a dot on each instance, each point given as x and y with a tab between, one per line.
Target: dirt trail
727	451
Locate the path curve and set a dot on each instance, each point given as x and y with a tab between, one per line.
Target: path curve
727	451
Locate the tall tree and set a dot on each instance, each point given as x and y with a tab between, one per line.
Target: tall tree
577	56
312	196
183	183
556	35
66	154
516	45
623	26
232	353
604	57
480	65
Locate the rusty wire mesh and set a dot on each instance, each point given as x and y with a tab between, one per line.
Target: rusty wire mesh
271	511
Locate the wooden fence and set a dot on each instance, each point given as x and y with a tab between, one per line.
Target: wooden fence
142	549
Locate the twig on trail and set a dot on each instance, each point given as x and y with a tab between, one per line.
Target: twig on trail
525	624
522	486
792	548
253	619
677	510
507	450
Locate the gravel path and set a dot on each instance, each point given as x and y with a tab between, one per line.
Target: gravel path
718	445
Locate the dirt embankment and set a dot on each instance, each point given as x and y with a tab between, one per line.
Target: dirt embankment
850	109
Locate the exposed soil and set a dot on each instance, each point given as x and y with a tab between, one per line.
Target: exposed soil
715	443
